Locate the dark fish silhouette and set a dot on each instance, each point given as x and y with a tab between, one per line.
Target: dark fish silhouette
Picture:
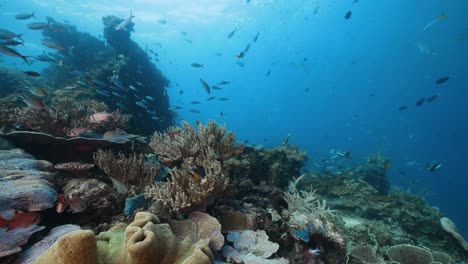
11	52
232	33
32	73
205	86
420	102
403	107
197	65
432	98
268	72
25	16
348	15
256	37
442	80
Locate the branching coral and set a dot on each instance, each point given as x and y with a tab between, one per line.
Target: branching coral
64	114
129	174
251	247
303	206
188	188
174	145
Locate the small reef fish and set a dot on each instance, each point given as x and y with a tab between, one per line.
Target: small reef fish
124	24
240	55
223	83
435	21
256	37
7	35
11	52
432	167
53	44
348	15
232	33
11	42
37	91
197	65
210	98
20	220
72	202
33	102
344	154
141	104
403	107
194	111
32	73
77	131
38	25
432	98
103	93
101	116
195	102
268	73
205	86
214	87
442	80
198	173
132	87
420	102
247	48
241	64
150	98
25	16
174	133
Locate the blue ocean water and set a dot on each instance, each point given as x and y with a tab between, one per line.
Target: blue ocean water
334	83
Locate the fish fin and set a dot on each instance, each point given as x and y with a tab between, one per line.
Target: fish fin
19	36
442	16
131	15
33	14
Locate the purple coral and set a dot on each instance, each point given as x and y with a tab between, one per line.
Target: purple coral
12	240
24	184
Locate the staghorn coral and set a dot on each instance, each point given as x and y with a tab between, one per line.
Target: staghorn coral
144	241
175	145
129	174
64	114
186	190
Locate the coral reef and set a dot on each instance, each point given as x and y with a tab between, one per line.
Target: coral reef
12	240
200	226
450	227
64	114
364	255
24	184
251	247
59	149
31	254
131	174
191	187
97	200
175	145
143	241
408	254
275	167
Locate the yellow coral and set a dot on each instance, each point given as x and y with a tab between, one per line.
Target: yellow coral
144	241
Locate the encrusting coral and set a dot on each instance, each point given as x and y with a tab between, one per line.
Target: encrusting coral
129	174
144	241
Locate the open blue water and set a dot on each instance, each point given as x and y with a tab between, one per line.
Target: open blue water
334	83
